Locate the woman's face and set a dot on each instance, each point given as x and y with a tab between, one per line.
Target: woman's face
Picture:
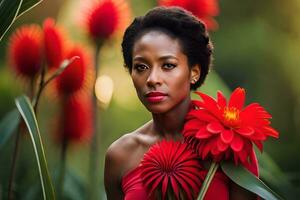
160	72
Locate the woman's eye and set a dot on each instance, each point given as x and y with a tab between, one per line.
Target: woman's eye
169	66
140	67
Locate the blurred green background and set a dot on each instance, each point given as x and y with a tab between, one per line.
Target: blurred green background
256	47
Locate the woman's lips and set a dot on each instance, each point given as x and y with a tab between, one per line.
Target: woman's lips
155	97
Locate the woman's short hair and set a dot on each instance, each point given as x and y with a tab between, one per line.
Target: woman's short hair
176	23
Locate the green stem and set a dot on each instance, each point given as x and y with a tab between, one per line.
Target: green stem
94	158
17	145
210	174
62	171
14	163
41	87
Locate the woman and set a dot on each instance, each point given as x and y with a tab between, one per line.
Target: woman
168	54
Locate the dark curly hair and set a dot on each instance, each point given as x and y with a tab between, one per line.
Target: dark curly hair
176	23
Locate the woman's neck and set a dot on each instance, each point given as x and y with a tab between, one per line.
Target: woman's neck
169	125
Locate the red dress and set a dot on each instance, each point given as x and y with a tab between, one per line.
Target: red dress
133	188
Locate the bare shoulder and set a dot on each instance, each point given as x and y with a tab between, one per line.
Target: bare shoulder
115	165
126	152
118	151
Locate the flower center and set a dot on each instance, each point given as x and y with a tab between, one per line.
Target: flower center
231	116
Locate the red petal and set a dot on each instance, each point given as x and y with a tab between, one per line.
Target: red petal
203	115
165	186
221	99
210	104
222	146
259	145
214	127
203	133
175	187
247	131
271	132
237	98
237	143
227	136
243	154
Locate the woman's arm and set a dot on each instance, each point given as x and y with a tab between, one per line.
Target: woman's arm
238	193
112	176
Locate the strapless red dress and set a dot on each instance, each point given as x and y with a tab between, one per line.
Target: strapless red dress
133	188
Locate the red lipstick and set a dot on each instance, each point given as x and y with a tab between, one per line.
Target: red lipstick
155	97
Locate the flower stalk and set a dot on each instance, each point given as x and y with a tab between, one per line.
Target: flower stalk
62	171
14	161
210	175
95	136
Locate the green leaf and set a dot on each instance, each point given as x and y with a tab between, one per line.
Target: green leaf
27	5
10	10
74	186
247	180
273	175
26	110
8	126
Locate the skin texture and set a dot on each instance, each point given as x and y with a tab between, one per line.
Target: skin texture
158	65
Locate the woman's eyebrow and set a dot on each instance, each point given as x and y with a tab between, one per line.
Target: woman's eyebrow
168	57
165	57
139	58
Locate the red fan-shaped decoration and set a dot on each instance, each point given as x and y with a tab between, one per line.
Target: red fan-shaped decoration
170	167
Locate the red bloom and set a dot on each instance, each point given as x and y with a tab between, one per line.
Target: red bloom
25	51
218	130
76	119
205	10
170	165
106	17
74	76
53	43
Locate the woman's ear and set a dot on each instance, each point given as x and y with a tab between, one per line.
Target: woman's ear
195	73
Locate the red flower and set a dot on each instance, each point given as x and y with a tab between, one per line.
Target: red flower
74	77
205	10
170	165
75	121
53	43
25	51
106	17
218	130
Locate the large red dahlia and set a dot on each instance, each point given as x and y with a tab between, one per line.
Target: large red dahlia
106	17
205	10
218	129
171	168
25	51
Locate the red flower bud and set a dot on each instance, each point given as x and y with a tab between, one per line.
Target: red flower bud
25	51
76	119
106	17
53	43
205	10
74	77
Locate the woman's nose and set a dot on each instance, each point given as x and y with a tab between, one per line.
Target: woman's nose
154	77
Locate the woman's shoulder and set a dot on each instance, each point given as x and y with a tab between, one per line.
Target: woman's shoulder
127	151
122	145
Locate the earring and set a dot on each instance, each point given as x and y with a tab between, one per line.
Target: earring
194	80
